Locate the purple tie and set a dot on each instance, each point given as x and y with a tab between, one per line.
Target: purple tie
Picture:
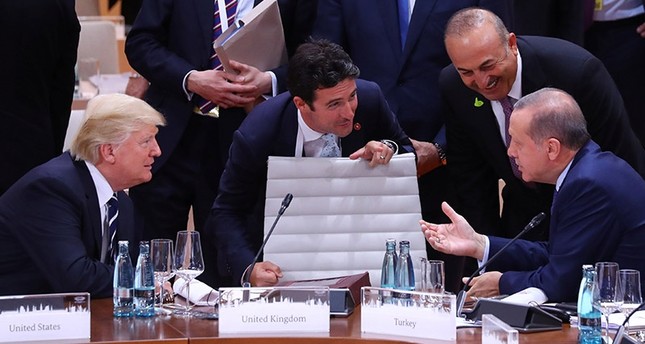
507	106
231	7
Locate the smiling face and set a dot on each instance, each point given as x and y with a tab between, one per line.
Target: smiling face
332	109
131	161
485	63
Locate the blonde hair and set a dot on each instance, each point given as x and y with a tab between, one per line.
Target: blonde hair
111	119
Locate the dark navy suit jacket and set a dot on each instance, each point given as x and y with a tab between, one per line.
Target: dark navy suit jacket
51	230
478	156
597	215
271	130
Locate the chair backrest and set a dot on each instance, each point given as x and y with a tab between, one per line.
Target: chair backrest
87	8
341	215
98	40
76	119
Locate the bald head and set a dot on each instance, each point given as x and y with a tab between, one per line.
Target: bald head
471	19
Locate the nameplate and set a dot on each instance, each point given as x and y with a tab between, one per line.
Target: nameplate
45	317
278	309
411	314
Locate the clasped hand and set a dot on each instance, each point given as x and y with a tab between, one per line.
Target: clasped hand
230	89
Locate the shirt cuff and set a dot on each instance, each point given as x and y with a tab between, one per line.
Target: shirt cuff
485	257
189	94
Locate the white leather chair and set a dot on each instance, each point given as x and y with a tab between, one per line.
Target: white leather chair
341	215
98	40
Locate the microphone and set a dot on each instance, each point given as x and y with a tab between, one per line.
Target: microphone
246	277
461	296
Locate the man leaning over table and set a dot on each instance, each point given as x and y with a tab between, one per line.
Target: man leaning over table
325	97
54	222
598	211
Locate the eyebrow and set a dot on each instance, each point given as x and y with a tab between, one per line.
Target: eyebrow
340	98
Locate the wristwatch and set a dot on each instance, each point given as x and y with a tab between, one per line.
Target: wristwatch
441	153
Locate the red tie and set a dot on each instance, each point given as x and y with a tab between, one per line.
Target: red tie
231	7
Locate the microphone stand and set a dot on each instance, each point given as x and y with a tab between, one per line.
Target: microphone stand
461	296
246	276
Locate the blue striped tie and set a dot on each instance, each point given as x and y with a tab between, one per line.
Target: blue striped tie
113	224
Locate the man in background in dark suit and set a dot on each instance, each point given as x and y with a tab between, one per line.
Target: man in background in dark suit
406	67
491	69
39	42
598	211
324	97
54	220
171	45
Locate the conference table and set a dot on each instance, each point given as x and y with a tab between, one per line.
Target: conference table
172	329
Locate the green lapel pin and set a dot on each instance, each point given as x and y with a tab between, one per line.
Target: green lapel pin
478	103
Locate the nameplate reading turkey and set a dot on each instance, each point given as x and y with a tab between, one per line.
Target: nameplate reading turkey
278	309
28	318
412	314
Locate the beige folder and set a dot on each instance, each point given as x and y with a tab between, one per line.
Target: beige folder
257	41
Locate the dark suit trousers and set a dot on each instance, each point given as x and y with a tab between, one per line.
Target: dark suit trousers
622	51
190	177
434	188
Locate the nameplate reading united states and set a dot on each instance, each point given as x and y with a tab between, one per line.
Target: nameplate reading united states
45	317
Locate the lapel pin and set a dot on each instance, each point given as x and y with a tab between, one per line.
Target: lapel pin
478	103
357	126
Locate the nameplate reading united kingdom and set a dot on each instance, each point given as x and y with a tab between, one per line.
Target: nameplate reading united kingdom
408	313
270	310
28	318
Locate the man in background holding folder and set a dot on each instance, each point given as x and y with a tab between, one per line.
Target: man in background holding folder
171	45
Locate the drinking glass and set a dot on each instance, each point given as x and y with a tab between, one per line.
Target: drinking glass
163	262
89	76
629	291
606	285
188	261
432	276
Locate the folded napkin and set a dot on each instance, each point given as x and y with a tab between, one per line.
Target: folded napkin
201	294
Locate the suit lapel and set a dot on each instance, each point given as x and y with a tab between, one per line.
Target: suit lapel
204	10
420	14
388	14
533	77
91	204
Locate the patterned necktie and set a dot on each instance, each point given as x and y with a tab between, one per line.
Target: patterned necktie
330	148
507	106
109	230
231	8
404	19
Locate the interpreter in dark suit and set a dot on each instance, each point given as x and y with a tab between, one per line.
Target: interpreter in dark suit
552	18
489	66
170	44
39	41
325	98
54	220
617	37
598	211
407	67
